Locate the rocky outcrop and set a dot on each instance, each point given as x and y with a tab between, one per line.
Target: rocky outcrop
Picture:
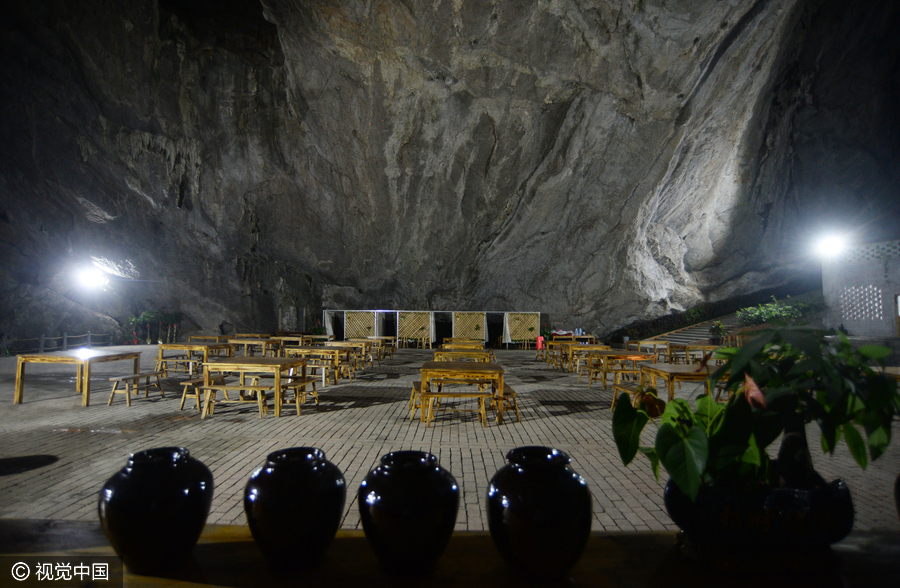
598	161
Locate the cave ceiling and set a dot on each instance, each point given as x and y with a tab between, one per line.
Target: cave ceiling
255	162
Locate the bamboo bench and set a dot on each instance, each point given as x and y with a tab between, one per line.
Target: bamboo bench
195	384
433	401
133	386
209	398
509	400
188	365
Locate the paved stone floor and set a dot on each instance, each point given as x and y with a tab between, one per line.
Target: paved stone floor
355	423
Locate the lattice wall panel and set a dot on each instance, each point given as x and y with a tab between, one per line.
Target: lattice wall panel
358	325
873	251
521	322
469	325
862	303
414	325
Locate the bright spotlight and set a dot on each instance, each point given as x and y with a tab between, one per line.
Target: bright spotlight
93	279
829	246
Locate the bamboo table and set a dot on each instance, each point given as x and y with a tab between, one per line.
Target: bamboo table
458	345
200	348
264	345
82	358
466	370
333	354
213	338
674	372
256	365
606	356
459	354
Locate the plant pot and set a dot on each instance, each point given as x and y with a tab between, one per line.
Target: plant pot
897	494
762	524
539	512
408	507
154	508
294	504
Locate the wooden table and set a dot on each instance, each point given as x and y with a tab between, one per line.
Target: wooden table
673	372
460	354
463	345
82	358
320	338
202	349
227	556
654	345
465	370
298	340
606	356
256	365
213	338
263	344
571	348
333	354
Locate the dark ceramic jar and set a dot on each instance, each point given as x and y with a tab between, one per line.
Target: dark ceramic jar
154	508
408	507
539	512
294	505
774	519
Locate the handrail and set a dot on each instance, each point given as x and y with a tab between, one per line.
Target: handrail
44	343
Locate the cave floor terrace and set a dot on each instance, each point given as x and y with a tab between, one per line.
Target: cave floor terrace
354	424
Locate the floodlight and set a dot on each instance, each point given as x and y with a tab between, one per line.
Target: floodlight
831	245
92	278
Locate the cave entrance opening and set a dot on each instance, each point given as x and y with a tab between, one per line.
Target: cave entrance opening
443	327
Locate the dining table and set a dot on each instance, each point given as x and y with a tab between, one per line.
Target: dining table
573	352
250	345
332	354
465	372
83	359
207	338
603	360
467	344
202	350
483	355
276	367
671	373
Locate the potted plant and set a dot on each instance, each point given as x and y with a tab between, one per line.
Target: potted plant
717	333
724	488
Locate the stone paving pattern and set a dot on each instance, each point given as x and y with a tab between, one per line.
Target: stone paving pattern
354	424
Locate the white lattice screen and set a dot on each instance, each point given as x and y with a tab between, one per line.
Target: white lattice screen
358	324
862	303
873	251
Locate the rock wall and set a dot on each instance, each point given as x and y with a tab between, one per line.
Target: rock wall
253	162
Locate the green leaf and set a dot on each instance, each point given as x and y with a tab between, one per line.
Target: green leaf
752	454
650	452
767	426
627	426
879	438
707	409
679	413
728	441
856	444
875	352
684	457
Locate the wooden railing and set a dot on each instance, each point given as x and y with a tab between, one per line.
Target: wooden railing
61	343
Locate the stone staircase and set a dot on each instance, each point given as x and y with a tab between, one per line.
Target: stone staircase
698	332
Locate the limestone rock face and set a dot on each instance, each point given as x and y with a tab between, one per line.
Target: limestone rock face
253	162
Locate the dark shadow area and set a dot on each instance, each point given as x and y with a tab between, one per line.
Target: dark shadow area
562	407
16	465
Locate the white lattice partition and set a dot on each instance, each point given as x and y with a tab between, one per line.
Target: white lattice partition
523	326
359	324
413	325
469	325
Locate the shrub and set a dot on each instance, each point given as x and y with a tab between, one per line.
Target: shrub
778	312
